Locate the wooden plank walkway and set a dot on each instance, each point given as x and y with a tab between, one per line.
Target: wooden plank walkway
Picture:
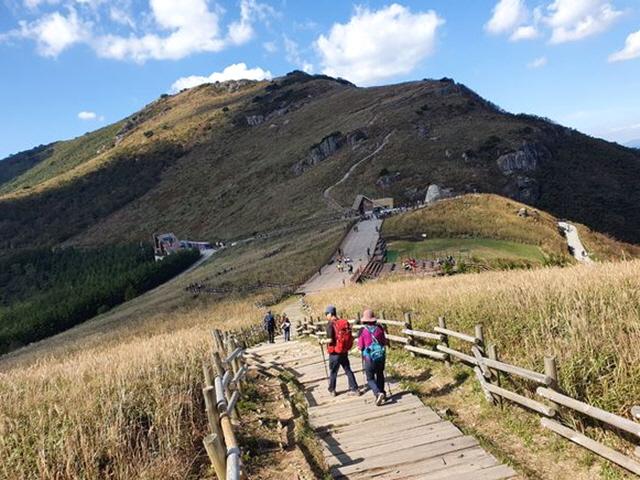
403	439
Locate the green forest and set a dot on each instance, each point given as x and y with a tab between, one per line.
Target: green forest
43	292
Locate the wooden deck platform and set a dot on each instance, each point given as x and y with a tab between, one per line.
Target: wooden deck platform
403	439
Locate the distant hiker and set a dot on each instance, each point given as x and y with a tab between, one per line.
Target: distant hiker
340	342
270	326
368	252
286	327
351	268
372	342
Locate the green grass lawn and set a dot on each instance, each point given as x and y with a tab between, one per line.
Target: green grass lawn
481	248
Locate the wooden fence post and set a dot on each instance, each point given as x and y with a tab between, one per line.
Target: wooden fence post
206	370
551	371
480	336
211	445
217	448
492	353
409	326
442	323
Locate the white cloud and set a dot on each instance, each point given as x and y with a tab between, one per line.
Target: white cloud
376	45
241	31
88	116
237	71
630	51
538	62
121	16
572	20
507	16
169	30
293	55
270	47
54	33
194	29
525	32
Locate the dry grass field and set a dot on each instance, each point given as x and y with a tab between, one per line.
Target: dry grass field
129	407
587	316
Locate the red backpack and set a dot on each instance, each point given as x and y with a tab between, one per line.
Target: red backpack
343	335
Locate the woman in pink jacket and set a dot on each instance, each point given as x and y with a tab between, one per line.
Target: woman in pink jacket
372	342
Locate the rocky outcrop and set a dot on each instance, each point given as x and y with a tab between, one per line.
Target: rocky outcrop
526	159
327	147
356	137
436	192
388	179
254	120
320	152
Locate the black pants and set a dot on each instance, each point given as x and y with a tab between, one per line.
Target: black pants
272	334
375	376
335	362
287	334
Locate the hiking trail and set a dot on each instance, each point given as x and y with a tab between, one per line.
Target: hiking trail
401	439
327	193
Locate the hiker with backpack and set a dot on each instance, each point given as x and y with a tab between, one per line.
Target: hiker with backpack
286	327
340	342
372	342
269	324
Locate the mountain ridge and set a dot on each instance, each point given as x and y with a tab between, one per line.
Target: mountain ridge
219	161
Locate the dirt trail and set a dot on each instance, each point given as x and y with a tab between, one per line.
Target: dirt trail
327	193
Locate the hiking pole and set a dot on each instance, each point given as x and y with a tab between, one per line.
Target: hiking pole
324	360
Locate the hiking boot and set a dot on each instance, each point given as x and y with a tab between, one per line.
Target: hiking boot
380	399
333	393
354	393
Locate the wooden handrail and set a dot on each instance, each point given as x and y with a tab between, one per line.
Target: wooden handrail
593	412
489	370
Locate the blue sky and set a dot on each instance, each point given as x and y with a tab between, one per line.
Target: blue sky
71	66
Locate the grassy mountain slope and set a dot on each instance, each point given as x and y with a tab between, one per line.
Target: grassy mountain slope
481	216
491	216
228	160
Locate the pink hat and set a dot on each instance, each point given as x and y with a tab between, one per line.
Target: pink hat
367	316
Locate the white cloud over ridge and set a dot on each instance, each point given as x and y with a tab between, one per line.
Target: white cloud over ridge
55	32
88	116
565	20
507	16
630	51
377	45
572	20
173	29
237	71
293	55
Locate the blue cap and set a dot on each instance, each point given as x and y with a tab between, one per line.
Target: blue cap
330	310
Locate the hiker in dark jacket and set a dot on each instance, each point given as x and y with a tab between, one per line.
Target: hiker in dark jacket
372	342
340	342
286	327
270	326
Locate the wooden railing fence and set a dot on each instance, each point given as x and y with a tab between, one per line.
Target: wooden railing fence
545	396
224	371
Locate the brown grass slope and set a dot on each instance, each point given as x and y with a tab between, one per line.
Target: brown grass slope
495	217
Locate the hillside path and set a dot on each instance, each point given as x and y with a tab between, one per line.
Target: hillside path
403	439
327	193
354	247
573	240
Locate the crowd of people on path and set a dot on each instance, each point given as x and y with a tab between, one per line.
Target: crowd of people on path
371	342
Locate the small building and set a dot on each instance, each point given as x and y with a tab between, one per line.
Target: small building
363	204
